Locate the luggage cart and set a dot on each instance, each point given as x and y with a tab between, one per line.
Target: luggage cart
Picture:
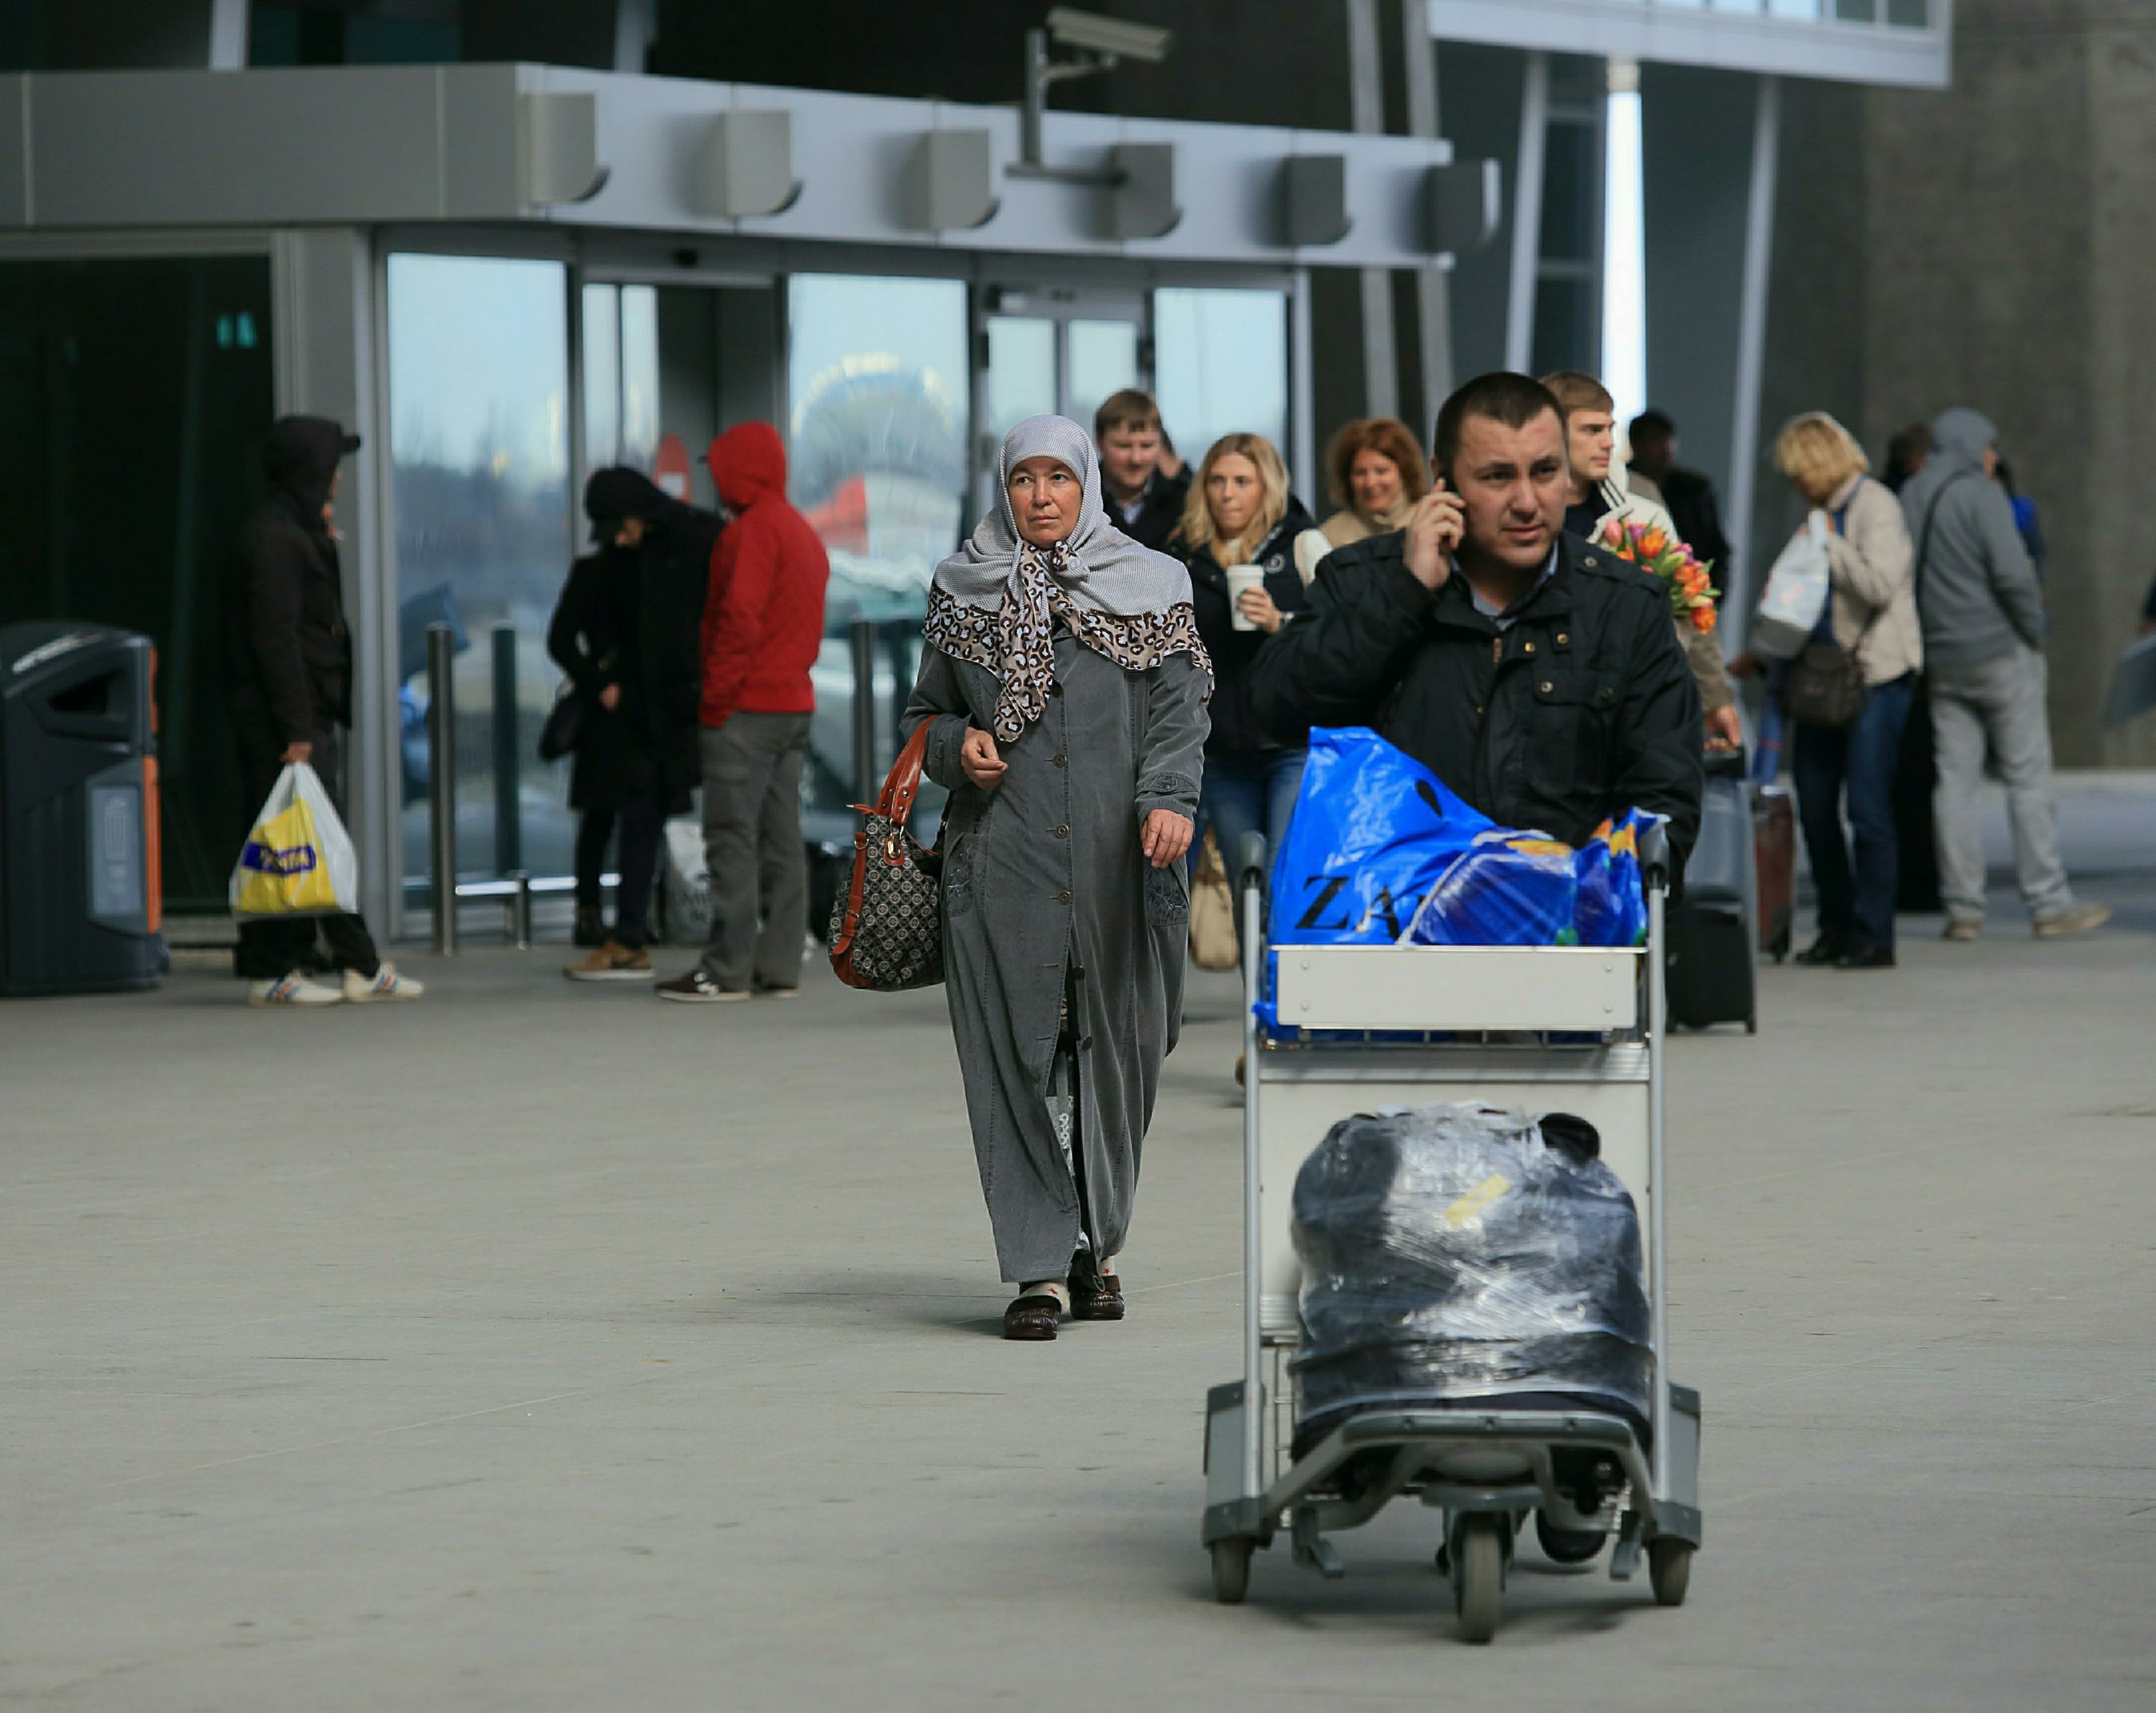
1541	1028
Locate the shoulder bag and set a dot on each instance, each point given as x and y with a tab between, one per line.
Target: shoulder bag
1213	944
887	926
1826	686
565	724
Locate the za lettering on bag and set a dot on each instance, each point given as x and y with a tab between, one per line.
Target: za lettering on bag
298	860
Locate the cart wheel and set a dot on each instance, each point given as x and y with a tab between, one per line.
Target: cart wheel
1669	1568
1478	1577
1231	1570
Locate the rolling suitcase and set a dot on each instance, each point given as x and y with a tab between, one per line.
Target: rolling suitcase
1774	821
1712	935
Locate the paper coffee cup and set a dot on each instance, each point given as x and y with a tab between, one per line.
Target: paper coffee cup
1240	577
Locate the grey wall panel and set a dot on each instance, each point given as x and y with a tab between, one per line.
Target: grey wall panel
1478	98
1698	153
151	148
481	141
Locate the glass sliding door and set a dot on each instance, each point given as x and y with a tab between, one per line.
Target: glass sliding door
134	396
479	414
1220	358
877	432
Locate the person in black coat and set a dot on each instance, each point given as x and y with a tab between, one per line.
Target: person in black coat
626	630
1535	675
288	654
1240	515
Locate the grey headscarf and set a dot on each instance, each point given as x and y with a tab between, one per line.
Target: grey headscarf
1103	568
996	603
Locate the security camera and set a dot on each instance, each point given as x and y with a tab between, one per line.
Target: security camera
1070	28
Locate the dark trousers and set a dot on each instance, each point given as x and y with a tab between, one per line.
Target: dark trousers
642	826
1855	899
594	834
752	844
314	944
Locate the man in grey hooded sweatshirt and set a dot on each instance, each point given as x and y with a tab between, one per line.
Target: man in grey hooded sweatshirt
1983	614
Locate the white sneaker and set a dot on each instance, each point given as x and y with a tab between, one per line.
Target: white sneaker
385	984
292	989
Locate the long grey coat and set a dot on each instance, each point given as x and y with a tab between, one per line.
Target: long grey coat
1045	887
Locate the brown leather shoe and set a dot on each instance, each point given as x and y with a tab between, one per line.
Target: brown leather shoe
1095	1295
1033	1318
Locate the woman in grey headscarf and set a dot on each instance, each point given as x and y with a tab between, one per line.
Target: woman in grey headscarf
1067	687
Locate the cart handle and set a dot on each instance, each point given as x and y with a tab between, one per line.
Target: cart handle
1654	855
1250	860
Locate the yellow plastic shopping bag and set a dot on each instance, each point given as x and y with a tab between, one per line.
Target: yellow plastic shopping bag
298	860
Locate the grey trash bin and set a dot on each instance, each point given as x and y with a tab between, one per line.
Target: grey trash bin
79	898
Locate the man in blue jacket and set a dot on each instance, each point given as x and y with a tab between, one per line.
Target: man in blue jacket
1983	613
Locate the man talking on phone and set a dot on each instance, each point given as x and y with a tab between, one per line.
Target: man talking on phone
1533	673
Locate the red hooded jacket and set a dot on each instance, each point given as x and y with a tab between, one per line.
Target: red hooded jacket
764	616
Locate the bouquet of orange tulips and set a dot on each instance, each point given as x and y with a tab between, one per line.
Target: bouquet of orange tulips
1656	551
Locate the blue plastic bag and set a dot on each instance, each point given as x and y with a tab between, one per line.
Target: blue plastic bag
1506	889
1612	906
1373	832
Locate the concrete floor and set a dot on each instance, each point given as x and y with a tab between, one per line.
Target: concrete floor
539	1347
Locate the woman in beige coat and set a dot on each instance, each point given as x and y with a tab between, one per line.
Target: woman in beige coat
1872	611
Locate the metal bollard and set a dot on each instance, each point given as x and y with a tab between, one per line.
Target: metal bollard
442	784
520	910
508	804
862	635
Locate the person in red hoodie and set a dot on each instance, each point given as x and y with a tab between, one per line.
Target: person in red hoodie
763	622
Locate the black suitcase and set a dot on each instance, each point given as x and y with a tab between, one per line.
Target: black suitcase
1710	966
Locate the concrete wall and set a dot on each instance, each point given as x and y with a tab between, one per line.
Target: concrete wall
1992	246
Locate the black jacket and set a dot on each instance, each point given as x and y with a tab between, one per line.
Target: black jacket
1234	727
287	650
1584	708
1689	497
1159	511
634	617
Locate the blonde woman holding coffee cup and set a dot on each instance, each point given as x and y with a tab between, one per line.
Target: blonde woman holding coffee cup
1243	536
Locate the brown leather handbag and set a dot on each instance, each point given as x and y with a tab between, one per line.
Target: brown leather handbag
887	926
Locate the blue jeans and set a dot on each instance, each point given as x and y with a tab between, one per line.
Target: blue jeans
1861	761
1248	791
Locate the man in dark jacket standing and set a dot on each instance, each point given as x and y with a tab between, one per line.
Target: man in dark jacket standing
1983	613
627	632
290	655
1536	675
762	629
1144	500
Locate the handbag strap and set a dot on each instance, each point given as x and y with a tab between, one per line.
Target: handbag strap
1924	547
902	784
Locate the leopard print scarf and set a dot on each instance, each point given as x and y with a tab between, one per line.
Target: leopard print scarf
1016	640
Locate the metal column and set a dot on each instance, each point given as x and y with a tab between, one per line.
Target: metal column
442	784
1751	352
1366	94
1527	214
508	803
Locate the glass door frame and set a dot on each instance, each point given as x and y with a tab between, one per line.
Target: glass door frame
1012	293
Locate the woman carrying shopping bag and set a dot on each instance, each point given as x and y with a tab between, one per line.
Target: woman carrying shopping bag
289	655
1063	686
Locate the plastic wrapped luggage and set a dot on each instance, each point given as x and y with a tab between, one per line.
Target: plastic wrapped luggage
1460	1252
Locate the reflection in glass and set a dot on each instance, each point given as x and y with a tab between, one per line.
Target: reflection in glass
601	363
639	375
1021	371
478	373
1104	359
876	375
1220	366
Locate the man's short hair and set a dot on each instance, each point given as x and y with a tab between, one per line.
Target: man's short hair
1129	408
1575	392
1511	400
1650	422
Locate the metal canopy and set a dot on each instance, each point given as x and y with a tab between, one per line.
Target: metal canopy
361	146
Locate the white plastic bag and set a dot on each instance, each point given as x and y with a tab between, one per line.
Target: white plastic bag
1797	589
298	860
686	883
